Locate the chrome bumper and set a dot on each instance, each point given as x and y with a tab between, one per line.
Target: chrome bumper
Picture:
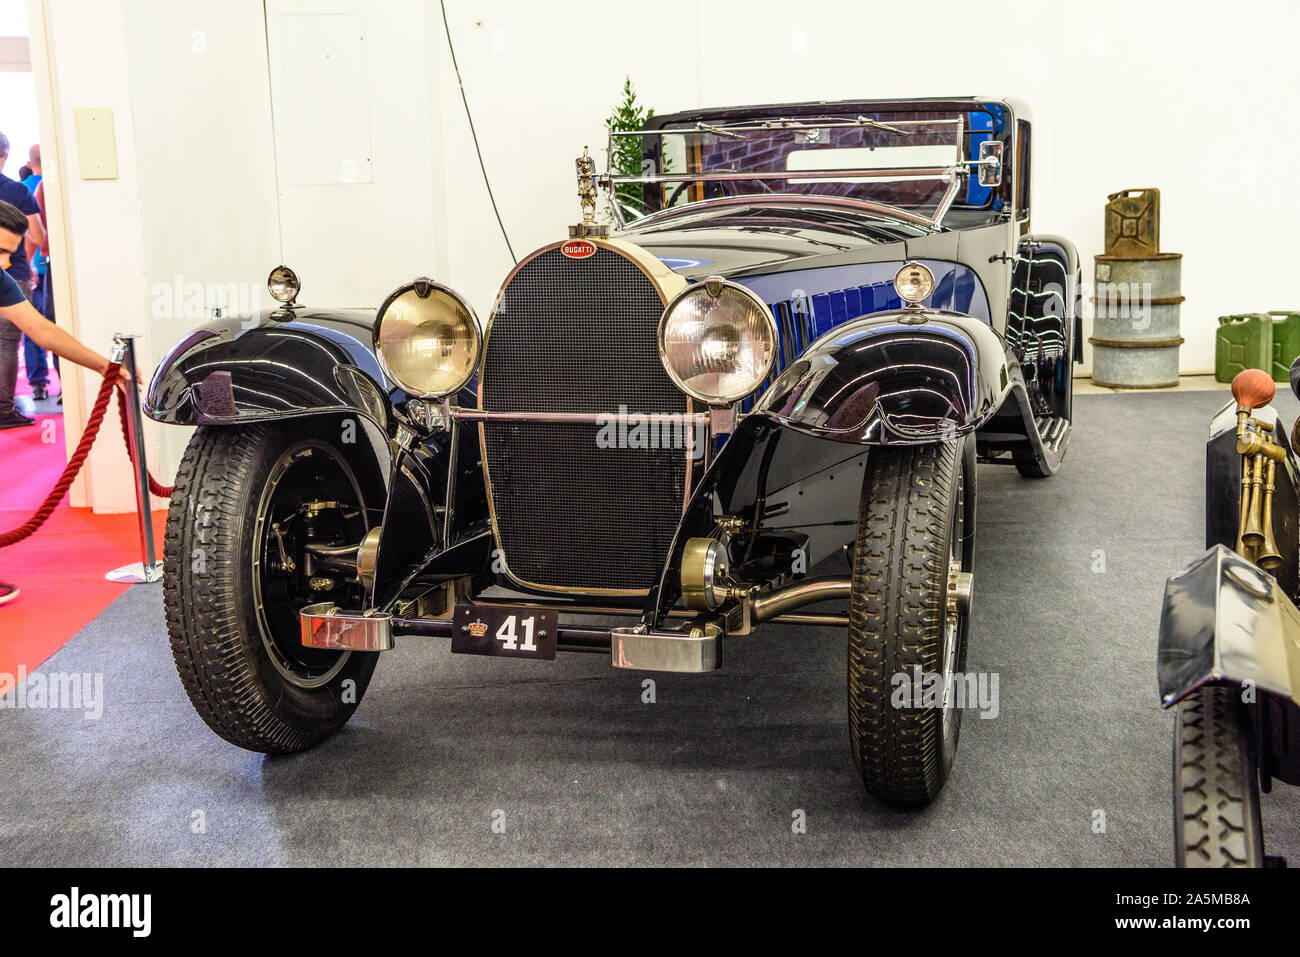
691	652
325	625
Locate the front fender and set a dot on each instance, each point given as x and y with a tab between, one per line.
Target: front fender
1226	621
277	366
908	376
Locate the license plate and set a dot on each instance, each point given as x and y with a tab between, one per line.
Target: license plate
504	632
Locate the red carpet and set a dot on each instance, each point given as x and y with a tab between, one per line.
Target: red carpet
60	569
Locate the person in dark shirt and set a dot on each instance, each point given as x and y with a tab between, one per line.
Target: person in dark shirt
21	315
15	194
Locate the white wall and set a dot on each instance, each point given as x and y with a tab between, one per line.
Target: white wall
1124	94
97	247
1197	100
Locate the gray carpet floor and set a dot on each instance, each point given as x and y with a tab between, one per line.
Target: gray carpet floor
580	771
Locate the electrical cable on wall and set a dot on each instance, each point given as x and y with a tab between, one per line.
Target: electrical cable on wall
486	182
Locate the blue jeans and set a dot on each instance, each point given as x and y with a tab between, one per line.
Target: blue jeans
9	339
38	370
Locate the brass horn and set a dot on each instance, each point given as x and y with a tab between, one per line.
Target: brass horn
1252	524
1267	556
1252	389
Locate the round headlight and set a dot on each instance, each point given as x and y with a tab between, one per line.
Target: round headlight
717	341
427	339
283	284
913	283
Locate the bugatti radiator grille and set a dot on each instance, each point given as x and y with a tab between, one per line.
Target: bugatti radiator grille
579	335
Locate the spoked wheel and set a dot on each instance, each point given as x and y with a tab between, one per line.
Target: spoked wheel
247	504
1216	782
908	616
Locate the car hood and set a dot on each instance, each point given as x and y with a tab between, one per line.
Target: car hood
756	239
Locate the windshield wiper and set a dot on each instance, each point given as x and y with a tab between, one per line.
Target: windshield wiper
876	124
706	128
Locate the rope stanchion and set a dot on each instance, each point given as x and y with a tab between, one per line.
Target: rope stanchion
155	487
74	465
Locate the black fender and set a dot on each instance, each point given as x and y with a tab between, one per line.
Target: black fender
1225	621
797	494
902	377
298	362
1044	328
278	365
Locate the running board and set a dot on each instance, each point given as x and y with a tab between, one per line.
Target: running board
1053	437
1046	442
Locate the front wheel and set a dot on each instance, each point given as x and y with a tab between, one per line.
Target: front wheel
908	616
1216	782
247	503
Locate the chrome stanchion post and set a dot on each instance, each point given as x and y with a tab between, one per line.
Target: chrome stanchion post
149	570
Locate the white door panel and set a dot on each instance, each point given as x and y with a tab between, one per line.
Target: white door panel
350	97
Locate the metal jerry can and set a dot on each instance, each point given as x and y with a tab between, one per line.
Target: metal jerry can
1133	223
1242	342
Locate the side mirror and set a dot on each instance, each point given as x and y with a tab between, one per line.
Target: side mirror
990	163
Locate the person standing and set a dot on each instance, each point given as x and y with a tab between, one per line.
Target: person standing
34	174
38	368
20	271
18	312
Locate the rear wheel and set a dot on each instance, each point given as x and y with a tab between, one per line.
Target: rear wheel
246	504
1216	782
908	616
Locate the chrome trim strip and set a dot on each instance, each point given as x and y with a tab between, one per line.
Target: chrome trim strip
880	172
789	123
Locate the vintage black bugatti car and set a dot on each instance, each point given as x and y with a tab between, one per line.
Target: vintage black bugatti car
807	325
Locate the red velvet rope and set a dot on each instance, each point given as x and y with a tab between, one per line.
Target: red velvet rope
76	461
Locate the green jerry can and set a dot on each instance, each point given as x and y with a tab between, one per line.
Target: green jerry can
1242	342
1286	343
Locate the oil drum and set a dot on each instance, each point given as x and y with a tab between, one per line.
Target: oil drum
1136	298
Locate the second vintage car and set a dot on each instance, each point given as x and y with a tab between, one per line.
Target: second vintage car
1229	647
765	389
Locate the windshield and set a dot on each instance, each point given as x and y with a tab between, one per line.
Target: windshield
920	163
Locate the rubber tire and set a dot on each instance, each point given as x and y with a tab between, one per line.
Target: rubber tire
211	618
897	613
1216	782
